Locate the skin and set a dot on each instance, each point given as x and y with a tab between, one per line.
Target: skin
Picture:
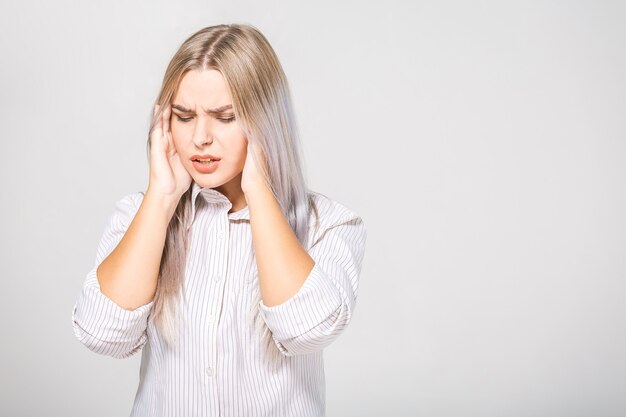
237	177
195	132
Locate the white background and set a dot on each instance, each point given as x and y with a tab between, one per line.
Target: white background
483	143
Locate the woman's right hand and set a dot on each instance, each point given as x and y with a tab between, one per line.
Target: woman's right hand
168	176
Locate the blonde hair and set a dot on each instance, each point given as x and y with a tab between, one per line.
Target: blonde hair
262	104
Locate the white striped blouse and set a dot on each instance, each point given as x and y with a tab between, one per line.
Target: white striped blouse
221	366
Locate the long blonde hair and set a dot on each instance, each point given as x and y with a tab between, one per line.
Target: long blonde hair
263	106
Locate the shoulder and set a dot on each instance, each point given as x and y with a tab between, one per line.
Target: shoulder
330	211
330	214
335	222
131	200
127	206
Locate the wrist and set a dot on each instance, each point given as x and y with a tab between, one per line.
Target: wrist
166	203
255	187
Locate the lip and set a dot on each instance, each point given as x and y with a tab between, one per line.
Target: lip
205	168
204	157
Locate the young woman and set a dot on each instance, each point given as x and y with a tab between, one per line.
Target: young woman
228	271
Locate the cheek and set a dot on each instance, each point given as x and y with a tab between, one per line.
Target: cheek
240	157
175	134
244	152
178	136
175	139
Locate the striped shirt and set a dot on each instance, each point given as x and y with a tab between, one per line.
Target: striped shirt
221	367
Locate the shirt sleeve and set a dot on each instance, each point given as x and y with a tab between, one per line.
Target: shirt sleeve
323	306
99	323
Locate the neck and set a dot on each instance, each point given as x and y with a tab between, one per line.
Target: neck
232	190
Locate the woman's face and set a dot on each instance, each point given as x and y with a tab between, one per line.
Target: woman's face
203	122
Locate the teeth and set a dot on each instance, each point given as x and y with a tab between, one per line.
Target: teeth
204	160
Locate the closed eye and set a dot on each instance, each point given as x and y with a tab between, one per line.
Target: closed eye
186	119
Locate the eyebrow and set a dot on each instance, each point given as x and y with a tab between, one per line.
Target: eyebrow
209	111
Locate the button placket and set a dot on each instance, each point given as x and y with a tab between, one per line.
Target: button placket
211	318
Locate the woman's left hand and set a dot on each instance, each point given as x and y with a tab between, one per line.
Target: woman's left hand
252	176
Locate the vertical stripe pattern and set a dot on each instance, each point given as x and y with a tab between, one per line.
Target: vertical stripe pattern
220	366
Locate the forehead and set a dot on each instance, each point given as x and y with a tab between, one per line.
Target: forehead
203	89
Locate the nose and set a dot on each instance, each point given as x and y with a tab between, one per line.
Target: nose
201	137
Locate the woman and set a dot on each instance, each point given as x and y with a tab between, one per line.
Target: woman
228	272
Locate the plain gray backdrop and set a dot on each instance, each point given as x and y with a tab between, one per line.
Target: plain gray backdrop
483	143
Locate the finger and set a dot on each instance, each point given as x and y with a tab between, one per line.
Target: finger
159	121
170	143
167	111
157	132
155	118
157	111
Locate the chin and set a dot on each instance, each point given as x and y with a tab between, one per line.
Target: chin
215	179
207	181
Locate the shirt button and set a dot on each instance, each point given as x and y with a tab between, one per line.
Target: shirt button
209	371
220	235
211	319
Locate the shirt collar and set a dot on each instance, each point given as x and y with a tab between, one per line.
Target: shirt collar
216	200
